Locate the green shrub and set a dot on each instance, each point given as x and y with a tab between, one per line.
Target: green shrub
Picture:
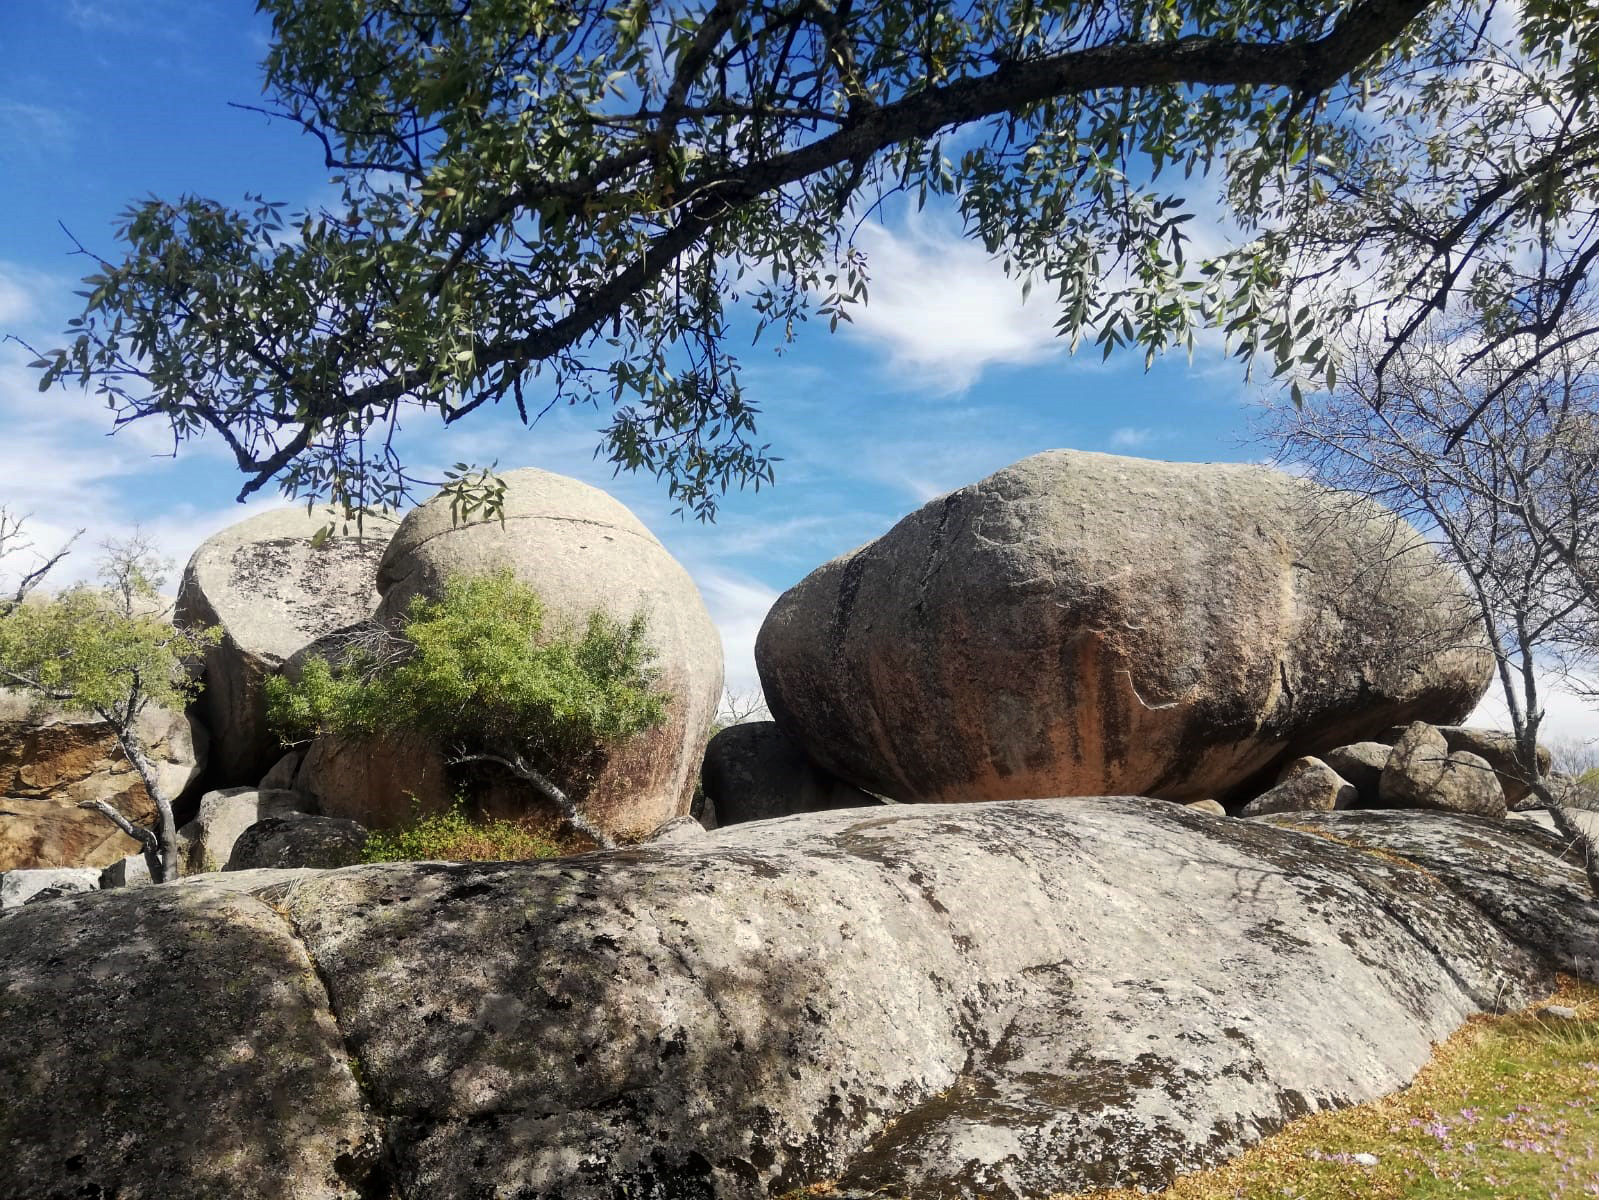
482	672
454	837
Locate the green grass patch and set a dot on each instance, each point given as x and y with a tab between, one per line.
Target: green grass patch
1508	1109
454	836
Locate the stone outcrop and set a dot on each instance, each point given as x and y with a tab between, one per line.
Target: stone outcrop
1082	624
1422	772
1495	747
257	1043
582	550
51	761
382	783
1305	785
224	815
754	771
20	887
287	842
1361	763
1011	1000
273	590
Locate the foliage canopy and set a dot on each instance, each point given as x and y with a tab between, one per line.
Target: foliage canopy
106	649
567	201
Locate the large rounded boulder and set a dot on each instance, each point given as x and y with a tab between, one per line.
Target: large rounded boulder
274	585
1086	624
582	550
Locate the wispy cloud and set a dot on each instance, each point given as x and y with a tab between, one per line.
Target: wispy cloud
738	604
27	127
944	309
1128	438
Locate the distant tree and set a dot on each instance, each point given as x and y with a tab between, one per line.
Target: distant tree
740	705
483	672
1494	451
29	567
569	201
111	650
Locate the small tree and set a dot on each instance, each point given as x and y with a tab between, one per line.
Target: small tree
1495	451
111	650
480	672
15	544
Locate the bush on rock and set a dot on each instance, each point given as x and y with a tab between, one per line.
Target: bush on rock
483	672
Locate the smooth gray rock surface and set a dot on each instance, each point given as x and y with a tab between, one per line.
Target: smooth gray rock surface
1085	624
287	842
132	871
583	550
1004	1000
19	887
754	772
1422	772
1361	763
1305	785
273	593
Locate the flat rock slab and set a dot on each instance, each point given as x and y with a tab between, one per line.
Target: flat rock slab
1006	1000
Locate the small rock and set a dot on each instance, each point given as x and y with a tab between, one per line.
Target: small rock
19	887
1366	1160
678	829
1495	747
132	871
1422	772
1361	763
1209	807
1558	1012
281	776
226	814
1305	785
298	841
755	772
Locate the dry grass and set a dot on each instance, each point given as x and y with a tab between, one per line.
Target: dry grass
453	836
1508	1109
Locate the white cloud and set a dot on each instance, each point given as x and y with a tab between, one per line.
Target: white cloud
1567	716
944	309
738	604
1128	438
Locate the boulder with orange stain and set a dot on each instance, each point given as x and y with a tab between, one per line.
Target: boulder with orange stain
1085	624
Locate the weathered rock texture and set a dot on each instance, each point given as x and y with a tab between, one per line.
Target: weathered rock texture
280	842
1083	624
1498	749
273	594
582	550
19	887
1361	763
1422	772
224	815
1306	785
1006	1000
52	761
249	1094
382	783
754	771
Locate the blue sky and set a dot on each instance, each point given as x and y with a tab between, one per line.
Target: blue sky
945	377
